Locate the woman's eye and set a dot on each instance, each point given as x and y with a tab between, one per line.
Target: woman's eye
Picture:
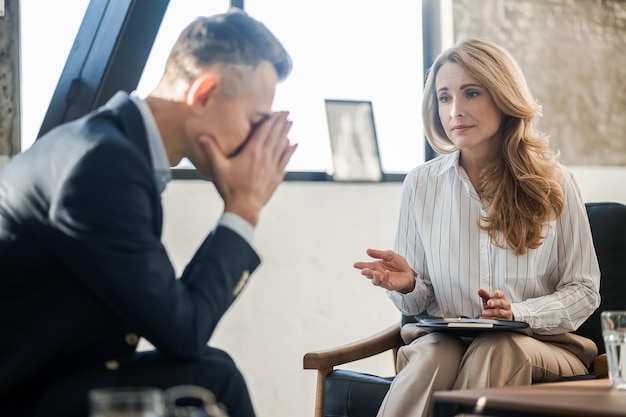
472	94
444	99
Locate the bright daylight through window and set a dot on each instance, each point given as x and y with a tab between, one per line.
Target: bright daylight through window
346	50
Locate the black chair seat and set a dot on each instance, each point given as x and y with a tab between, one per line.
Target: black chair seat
348	393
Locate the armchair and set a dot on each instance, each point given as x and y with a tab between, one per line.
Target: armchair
343	393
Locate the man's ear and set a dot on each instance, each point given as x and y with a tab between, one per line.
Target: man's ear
202	90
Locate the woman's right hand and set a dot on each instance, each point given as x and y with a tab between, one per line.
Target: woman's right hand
390	271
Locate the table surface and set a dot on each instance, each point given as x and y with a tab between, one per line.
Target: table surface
587	398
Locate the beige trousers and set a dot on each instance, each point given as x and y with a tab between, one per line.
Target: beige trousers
440	361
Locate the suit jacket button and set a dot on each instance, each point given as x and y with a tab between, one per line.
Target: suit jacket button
131	339
242	283
112	365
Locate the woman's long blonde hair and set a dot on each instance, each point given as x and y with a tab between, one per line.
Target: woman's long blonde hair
523	191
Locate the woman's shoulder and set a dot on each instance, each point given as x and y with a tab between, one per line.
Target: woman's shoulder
567	177
433	167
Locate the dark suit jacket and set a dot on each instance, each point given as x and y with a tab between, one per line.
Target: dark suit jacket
83	271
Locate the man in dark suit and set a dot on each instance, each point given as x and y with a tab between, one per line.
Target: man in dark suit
83	271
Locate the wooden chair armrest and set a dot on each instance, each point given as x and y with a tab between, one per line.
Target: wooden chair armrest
325	360
361	349
600	366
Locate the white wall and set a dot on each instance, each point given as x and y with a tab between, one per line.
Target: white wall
306	295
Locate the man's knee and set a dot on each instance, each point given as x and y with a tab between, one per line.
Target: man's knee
215	370
218	372
217	363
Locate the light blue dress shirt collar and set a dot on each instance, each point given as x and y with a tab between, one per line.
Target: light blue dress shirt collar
161	166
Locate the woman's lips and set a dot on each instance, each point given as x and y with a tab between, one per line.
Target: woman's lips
461	128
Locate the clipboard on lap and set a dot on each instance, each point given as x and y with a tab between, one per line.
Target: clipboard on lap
467	327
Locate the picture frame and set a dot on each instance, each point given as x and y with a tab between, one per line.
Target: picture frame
353	140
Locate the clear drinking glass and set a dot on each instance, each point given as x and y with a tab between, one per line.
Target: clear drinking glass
614	334
202	404
178	401
126	402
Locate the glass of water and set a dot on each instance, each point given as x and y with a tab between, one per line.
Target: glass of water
614	334
126	402
177	401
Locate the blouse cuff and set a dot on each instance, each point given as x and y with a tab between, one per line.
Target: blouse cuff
396	295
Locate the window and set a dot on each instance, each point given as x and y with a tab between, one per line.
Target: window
342	49
43	56
48	30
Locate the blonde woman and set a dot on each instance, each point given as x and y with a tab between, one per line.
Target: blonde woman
495	228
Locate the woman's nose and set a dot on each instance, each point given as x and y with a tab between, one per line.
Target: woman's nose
456	109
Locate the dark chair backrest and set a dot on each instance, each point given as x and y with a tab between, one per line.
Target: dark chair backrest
608	228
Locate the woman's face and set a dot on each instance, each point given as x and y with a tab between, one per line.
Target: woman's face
467	112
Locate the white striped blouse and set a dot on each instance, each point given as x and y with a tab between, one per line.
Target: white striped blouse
554	288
